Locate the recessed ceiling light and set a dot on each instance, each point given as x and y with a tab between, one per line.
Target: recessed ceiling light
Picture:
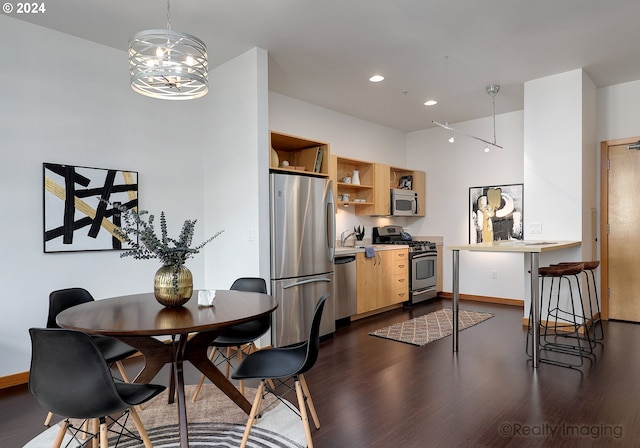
430	103
376	78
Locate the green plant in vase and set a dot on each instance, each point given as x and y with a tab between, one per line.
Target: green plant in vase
173	282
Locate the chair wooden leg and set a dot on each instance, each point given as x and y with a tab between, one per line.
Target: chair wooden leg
228	363
241	382
307	394
255	410
123	372
85	429
95	430
202	378
140	427
125	378
47	421
303	414
104	434
60	437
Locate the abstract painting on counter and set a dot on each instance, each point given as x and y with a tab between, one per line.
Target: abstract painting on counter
78	206
496	213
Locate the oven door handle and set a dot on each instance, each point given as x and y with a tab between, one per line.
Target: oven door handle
424	255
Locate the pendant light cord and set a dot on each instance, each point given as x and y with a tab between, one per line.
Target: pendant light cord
446	92
168	14
494	117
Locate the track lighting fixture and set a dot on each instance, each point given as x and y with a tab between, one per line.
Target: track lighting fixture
492	90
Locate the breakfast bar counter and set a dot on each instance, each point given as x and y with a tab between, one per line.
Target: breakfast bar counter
532	249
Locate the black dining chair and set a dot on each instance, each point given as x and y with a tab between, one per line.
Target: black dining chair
284	364
112	349
69	376
239	337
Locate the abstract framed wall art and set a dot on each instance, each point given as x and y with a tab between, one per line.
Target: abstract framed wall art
78	206
496	213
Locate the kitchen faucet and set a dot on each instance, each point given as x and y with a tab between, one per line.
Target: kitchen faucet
343	238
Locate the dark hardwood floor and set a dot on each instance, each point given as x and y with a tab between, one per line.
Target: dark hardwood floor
374	393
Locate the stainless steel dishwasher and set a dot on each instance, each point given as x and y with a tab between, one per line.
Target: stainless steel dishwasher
345	290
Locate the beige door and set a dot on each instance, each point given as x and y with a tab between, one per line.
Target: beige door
623	232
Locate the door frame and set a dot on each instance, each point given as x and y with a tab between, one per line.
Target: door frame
604	218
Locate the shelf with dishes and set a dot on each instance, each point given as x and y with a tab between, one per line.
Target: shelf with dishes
358	194
354	182
368	184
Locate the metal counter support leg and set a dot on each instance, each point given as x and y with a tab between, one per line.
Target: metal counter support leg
535	309
456	297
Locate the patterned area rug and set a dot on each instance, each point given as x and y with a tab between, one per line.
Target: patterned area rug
430	327
214	421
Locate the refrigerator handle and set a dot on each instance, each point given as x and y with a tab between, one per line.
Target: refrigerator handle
306	282
331	222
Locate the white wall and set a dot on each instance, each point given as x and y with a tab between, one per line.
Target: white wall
553	155
68	101
560	161
451	170
590	162
617	111
236	171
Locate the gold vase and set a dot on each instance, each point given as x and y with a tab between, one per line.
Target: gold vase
164	288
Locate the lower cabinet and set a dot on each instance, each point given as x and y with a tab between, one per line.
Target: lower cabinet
382	280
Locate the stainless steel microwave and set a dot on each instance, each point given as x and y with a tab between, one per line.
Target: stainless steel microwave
404	202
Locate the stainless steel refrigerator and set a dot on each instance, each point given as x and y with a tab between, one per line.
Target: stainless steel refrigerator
302	251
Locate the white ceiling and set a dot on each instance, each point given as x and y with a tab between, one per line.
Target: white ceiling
323	51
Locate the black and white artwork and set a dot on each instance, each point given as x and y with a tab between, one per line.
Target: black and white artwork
496	213
79	213
405	183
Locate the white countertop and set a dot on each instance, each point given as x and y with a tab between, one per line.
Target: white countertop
517	246
354	250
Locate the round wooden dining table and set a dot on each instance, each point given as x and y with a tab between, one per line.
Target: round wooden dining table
140	321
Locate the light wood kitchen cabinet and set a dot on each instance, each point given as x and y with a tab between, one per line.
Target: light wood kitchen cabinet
302	155
372	196
361	195
389	178
382	280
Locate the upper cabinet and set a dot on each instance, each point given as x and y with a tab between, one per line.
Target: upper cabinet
354	183
371	195
418	184
364	185
289	153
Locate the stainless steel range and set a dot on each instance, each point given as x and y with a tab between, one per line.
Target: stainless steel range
422	265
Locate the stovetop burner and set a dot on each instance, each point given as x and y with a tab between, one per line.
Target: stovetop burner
395	235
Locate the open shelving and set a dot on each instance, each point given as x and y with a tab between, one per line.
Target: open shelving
302	155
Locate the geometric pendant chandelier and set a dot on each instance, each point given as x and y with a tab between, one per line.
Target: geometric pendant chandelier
168	64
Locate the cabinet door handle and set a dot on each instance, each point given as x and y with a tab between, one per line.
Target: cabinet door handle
401	280
401	266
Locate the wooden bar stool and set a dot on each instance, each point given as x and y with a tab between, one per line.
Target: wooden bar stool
595	319
564	330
